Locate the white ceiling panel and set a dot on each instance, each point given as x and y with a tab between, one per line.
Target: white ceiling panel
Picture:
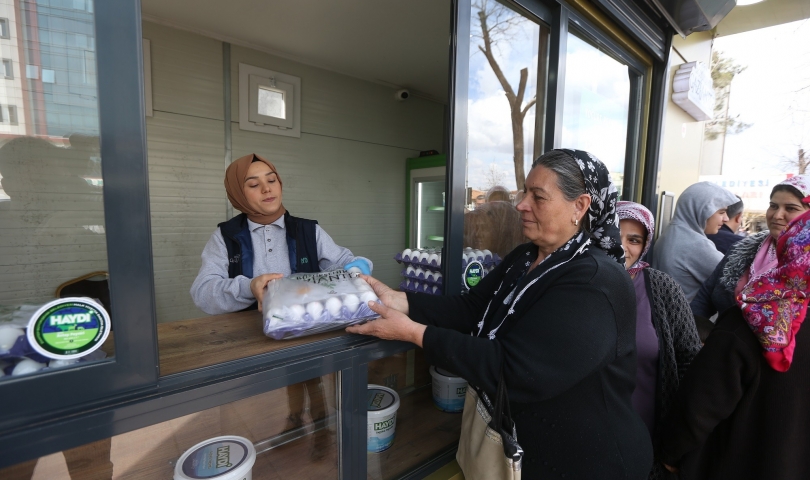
393	42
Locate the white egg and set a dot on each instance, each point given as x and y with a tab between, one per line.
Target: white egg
410	271
62	363
487	253
362	285
351	302
8	335
406	253
433	258
437	277
27	366
479	255
333	306
296	312
423	257
420	273
467	249
366	297
315	309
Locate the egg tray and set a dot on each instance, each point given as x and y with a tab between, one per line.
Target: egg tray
420	287
488	261
431	276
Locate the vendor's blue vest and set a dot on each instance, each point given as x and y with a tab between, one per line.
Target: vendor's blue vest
302	245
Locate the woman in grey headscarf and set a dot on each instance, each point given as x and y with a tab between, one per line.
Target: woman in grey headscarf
684	251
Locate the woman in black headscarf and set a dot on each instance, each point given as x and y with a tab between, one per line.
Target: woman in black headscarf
558	315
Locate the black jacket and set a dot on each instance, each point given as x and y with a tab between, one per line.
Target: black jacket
678	343
569	358
716	295
740	418
724	239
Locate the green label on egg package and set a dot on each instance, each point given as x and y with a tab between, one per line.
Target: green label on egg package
68	329
473	274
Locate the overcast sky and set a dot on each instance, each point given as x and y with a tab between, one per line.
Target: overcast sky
773	94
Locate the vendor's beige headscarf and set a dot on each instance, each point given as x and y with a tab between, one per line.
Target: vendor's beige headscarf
234	184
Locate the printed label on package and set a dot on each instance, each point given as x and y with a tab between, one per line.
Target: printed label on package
68	328
214	459
473	274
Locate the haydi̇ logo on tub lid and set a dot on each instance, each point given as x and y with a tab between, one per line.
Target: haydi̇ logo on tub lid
473	274
68	328
379	399
228	458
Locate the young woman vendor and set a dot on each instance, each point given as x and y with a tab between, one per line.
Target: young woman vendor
263	243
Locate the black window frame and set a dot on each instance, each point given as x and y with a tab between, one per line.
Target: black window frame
57	410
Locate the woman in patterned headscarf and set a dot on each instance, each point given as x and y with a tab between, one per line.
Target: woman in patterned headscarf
753	255
743	405
666	337
557	317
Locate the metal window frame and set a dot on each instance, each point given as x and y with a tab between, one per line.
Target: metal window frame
126	393
126	196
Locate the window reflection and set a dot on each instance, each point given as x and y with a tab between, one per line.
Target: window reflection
501	123
595	108
52	229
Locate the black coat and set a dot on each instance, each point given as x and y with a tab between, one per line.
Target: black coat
724	239
740	418
569	361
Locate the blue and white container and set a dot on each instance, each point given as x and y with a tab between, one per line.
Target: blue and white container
449	390
220	458
383	404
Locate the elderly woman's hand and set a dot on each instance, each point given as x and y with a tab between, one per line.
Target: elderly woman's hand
392	325
388	296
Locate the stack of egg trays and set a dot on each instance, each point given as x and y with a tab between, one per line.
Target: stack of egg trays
431	281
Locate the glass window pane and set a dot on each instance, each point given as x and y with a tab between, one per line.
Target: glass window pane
504	64
293	430
52	229
422	430
271	103
595	108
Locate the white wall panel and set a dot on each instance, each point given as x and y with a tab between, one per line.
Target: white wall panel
187	200
186	72
339	106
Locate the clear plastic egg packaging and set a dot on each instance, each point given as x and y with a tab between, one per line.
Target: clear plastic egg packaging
310	303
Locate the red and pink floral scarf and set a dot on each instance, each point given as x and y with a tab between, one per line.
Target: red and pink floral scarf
774	303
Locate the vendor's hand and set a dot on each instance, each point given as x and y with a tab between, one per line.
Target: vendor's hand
392	325
671	468
361	265
387	295
258	284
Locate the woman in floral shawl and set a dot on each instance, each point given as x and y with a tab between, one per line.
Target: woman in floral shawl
557	317
743	404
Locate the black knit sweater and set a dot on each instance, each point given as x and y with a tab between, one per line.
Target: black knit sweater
678	343
569	363
740	418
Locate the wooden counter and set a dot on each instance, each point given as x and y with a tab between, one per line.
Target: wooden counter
201	342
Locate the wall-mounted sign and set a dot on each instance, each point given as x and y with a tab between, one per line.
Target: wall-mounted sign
68	328
693	90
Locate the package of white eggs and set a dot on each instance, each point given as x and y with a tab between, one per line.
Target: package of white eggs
310	303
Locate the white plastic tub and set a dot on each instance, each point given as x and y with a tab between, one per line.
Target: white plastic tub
383	404
449	390
220	458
